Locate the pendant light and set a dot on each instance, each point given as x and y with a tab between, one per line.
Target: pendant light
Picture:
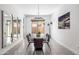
38	13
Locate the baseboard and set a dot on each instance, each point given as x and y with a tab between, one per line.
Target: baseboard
65	46
4	50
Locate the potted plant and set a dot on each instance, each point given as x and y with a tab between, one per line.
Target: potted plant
38	34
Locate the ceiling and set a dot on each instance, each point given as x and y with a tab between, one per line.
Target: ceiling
32	9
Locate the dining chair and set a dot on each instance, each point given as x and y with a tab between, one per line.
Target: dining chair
47	40
29	40
38	44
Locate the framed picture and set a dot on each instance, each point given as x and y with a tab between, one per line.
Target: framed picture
64	21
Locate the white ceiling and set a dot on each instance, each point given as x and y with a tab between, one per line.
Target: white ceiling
32	9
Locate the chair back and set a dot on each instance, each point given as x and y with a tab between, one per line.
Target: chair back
38	43
48	37
28	39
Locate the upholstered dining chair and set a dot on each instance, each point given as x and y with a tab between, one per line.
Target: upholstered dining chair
38	44
47	40
29	40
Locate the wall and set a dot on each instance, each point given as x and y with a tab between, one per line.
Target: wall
69	38
10	9
27	23
0	31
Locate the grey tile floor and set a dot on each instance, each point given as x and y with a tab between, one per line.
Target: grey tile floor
56	49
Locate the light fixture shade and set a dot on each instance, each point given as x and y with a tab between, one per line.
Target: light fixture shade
38	18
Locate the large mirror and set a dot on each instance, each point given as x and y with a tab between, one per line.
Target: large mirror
7	29
11	29
15	28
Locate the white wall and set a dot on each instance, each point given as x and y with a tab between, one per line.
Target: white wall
67	37
27	23
10	9
0	31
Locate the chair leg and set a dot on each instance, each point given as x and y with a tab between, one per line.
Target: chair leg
49	46
33	52
28	45
43	52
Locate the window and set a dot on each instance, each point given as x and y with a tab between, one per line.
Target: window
38	26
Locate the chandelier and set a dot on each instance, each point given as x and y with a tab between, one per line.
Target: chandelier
38	13
37	17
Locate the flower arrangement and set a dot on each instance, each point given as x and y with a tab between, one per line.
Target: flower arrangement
38	34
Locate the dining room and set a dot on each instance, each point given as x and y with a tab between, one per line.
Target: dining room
39	29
